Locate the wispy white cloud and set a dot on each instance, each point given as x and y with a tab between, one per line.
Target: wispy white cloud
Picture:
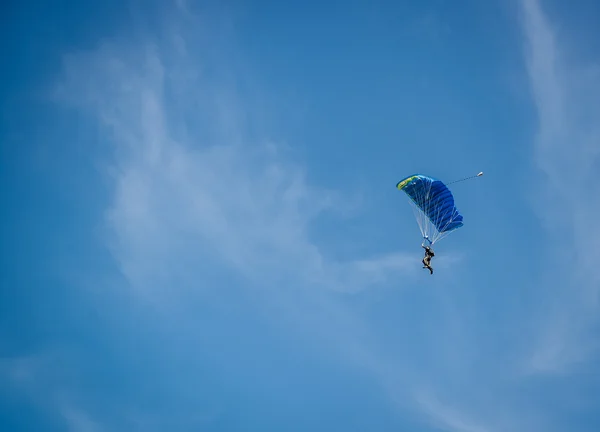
448	418
235	199
44	380
202	194
78	421
563	341
566	92
19	369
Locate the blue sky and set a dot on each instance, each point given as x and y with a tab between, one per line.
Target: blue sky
201	229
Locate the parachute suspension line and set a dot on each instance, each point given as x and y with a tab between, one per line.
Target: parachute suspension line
425	228
421	221
441	233
428	230
466	178
433	211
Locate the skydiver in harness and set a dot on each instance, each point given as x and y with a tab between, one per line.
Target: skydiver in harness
427	258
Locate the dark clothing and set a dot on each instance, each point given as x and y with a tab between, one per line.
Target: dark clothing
427	259
428	251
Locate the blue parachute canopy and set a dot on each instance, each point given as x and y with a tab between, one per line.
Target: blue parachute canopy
434	206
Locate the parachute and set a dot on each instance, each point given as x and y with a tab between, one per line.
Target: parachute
433	204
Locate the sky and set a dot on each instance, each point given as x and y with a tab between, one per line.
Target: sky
201	230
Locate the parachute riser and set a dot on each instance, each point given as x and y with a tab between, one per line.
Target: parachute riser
428	241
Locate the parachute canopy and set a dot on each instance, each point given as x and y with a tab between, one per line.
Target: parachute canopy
433	204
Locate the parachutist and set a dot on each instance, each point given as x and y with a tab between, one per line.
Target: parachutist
427	259
435	211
